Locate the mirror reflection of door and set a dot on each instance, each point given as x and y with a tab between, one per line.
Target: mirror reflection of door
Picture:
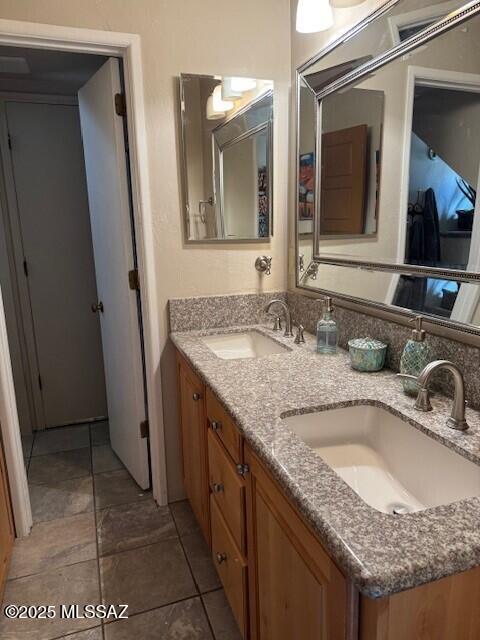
352	130
344	177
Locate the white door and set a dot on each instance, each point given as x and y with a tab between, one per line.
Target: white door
108	196
64	341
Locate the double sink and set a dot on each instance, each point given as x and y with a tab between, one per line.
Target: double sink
393	466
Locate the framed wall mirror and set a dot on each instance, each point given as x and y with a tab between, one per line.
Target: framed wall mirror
227	158
388	156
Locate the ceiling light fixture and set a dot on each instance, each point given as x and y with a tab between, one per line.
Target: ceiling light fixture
314	16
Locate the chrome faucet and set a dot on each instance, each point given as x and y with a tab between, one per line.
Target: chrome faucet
286	311
457	419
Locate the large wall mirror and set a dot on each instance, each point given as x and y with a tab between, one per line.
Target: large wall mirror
388	148
227	151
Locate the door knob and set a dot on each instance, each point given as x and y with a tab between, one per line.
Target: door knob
221	557
97	306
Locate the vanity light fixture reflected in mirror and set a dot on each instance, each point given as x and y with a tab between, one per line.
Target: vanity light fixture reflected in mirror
217	107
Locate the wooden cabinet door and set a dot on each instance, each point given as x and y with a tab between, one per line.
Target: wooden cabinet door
194	444
6	525
296	591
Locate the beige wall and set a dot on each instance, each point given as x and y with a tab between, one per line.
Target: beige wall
247	38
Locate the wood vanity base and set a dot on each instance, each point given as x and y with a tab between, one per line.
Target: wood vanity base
278	578
448	609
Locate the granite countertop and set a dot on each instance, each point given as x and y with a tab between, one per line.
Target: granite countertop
381	553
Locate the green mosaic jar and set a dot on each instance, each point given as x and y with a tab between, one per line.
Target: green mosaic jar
367	354
415	357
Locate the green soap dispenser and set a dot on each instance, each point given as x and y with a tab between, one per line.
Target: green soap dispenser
415	357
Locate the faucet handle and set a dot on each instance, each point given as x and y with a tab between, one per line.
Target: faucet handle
422	403
300	338
277	324
406	376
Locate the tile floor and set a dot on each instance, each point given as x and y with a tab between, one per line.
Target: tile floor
98	538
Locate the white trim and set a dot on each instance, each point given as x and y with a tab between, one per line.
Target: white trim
108	43
12	443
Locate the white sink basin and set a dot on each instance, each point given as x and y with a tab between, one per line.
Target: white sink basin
249	344
393	466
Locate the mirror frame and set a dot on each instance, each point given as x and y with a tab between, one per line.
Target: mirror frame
183	164
456	17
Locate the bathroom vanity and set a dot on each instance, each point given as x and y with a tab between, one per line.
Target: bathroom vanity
300	553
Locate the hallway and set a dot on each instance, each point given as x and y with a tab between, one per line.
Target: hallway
98	538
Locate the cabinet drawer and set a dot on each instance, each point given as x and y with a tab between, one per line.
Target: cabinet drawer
231	567
228	488
224	427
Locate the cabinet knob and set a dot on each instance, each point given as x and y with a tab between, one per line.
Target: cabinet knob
217	487
221	557
216	426
196	397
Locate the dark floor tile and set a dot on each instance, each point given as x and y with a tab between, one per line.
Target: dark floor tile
181	621
133	525
100	433
184	517
105	459
200	560
63	499
117	487
61	439
146	578
90	634
76	584
64	465
56	543
221	617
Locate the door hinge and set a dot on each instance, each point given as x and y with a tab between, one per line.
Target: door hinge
10	142
144	429
134	280
242	469
25	268
120	104
40	384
